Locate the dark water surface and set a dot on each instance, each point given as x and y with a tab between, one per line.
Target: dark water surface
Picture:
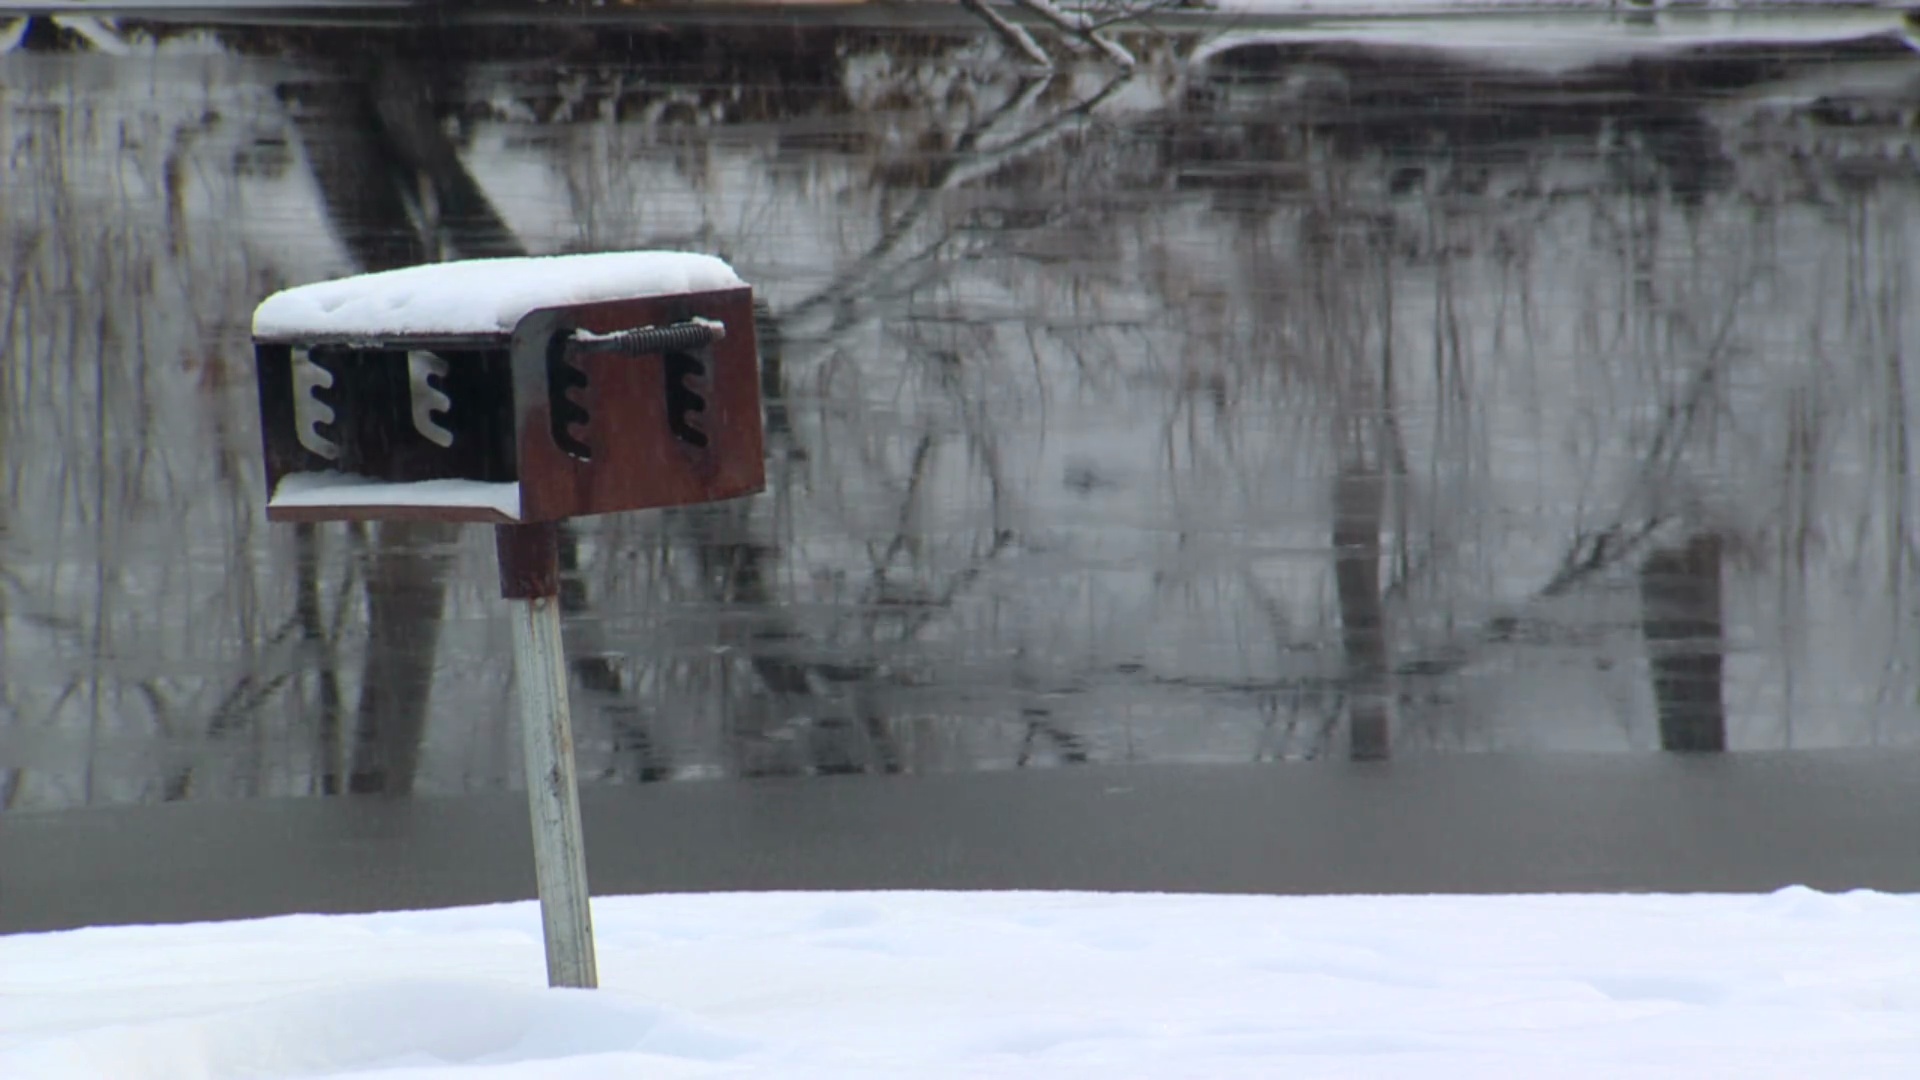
1340	396
1464	824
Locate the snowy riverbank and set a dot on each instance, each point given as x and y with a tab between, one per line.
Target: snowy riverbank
1790	984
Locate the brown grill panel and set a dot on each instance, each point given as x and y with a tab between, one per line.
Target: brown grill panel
662	429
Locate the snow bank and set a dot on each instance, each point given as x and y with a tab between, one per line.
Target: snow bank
1793	984
343	489
479	296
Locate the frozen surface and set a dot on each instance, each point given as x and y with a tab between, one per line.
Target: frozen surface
1792	984
480	296
340	489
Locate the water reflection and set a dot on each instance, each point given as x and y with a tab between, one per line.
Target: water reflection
1286	399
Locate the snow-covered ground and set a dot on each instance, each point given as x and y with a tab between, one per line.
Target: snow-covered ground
1792	984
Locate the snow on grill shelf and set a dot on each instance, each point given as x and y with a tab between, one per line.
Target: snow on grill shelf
342	489
479	296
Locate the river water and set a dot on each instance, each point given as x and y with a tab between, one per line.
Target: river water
1368	391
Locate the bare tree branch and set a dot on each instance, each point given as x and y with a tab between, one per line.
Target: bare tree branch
1080	28
1015	37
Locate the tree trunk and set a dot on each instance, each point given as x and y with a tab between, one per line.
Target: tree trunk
1359	500
1680	611
371	147
406	590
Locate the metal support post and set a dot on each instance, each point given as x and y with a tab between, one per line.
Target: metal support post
530	580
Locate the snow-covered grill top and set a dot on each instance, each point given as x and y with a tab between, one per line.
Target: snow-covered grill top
479	296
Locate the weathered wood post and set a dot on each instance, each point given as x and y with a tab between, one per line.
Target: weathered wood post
530	581
516	392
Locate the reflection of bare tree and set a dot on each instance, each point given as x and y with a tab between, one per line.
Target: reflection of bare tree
892	267
405	593
319	644
824	702
1273	123
396	190
367	172
604	686
1680	595
10	714
1054	460
791	726
1358	515
86	405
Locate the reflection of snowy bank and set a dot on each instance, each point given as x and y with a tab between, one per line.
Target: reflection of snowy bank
1558	42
